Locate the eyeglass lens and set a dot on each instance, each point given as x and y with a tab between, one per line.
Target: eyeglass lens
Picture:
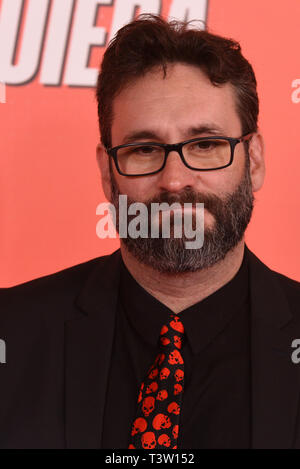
201	154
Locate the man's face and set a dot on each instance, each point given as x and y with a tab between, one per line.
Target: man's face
170	110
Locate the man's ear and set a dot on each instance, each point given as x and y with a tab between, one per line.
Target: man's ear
103	164
257	161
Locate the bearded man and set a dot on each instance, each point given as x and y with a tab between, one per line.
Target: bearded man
159	345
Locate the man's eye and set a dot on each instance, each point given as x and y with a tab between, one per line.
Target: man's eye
145	150
206	145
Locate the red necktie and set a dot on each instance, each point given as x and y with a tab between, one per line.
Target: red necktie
157	420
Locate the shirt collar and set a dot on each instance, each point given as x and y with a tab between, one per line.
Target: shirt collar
202	321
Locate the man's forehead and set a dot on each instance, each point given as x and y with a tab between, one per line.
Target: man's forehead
185	98
177	76
156	132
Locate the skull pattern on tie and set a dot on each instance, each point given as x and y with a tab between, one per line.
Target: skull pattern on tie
159	402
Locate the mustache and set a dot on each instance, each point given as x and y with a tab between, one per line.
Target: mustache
212	203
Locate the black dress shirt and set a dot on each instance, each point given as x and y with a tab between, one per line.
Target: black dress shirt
216	407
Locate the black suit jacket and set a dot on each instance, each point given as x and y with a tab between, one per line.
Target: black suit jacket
59	331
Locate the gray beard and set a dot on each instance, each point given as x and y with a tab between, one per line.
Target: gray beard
169	255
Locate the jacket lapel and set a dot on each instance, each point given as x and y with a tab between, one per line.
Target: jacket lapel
88	342
275	379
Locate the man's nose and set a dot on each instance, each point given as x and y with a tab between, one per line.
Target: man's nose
176	176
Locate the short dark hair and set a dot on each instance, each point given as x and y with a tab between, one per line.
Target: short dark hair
150	41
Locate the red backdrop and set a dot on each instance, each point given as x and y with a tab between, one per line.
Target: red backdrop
49	181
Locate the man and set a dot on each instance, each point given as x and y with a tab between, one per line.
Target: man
157	345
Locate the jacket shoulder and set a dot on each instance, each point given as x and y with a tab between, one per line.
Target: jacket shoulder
290	287
55	292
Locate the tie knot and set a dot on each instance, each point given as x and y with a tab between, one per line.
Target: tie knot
172	333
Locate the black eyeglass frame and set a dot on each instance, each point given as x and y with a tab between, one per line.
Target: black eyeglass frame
168	147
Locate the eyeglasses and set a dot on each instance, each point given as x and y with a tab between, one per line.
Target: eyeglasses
198	154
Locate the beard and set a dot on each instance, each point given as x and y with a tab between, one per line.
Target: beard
231	215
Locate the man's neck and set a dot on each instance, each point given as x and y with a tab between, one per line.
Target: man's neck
180	291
